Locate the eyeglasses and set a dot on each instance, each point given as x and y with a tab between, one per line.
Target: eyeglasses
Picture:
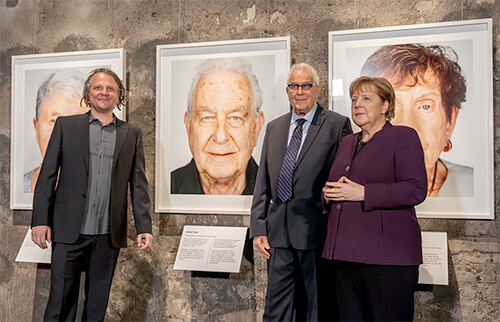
305	87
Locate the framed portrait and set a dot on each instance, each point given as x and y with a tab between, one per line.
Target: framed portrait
213	101
44	87
442	77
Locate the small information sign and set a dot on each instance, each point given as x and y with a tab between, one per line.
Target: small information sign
211	248
434	270
31	253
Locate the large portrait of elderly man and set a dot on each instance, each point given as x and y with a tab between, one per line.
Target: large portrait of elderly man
440	77
223	121
59	94
45	87
210	124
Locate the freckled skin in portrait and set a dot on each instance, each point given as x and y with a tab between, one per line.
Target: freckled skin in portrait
223	130
421	107
50	110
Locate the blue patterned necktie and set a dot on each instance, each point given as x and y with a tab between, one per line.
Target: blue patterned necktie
284	190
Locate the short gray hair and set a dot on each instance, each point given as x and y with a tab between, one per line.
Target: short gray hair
237	64
304	66
68	82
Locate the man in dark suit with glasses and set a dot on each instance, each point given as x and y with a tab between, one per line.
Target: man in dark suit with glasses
287	224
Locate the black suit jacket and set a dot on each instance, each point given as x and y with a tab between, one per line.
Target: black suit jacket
63	207
298	222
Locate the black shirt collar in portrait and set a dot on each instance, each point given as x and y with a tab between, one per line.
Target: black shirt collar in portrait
186	180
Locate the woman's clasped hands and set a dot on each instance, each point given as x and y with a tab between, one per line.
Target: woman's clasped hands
343	190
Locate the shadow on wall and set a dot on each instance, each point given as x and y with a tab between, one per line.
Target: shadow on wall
140	287
439	302
222	296
137	292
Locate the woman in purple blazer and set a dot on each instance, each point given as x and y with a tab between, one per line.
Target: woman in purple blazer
377	178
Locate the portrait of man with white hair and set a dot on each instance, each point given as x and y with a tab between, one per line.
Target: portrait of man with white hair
223	122
59	94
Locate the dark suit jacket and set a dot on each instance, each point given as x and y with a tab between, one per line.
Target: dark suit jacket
63	208
383	229
186	180
298	222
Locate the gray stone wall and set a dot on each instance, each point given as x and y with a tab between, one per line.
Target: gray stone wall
145	285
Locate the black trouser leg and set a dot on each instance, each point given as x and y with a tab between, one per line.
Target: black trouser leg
99	276
375	292
67	263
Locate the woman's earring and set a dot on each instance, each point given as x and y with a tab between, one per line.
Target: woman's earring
448	146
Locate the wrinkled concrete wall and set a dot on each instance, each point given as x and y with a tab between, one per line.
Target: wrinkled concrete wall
145	286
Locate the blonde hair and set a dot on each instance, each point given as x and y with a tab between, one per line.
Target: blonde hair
383	89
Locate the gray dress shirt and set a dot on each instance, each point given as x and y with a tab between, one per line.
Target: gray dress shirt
102	140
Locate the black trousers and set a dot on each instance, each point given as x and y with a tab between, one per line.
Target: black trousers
287	268
328	310
92	254
375	292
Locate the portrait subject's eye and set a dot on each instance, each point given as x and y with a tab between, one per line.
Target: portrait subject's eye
52	120
111	89
235	120
427	107
206	119
97	88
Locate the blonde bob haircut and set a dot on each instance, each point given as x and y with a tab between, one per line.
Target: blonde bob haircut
382	88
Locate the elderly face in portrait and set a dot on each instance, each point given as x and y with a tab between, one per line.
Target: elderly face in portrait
59	95
429	88
223	123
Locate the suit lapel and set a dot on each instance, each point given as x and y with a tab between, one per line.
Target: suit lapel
317	122
283	144
121	135
83	128
277	147
354	144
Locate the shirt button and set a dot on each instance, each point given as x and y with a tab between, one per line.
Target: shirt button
338	207
347	168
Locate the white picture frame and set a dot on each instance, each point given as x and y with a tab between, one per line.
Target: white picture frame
29	72
473	134
270	61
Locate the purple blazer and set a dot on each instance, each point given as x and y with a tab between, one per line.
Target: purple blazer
383	229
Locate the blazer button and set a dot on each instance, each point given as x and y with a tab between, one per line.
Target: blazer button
347	168
84	195
338	207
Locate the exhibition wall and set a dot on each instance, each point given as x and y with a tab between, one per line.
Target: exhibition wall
145	285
